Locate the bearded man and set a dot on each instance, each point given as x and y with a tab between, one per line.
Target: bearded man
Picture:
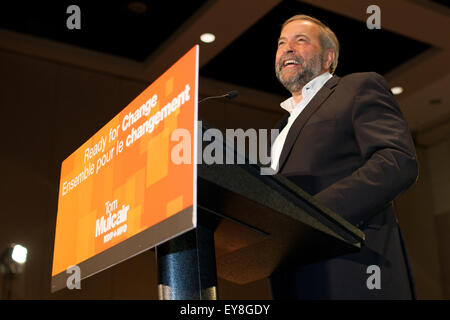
344	141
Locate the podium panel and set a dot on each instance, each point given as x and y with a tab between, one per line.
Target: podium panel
266	222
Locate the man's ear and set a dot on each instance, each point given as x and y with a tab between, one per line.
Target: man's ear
328	58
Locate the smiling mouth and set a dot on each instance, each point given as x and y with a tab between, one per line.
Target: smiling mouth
289	63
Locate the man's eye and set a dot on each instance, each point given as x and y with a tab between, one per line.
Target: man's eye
280	43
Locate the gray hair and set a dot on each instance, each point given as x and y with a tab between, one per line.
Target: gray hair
327	38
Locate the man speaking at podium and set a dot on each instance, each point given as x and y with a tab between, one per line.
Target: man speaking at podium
344	141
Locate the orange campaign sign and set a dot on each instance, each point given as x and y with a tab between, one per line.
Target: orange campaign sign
121	193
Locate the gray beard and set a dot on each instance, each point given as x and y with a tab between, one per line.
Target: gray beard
309	70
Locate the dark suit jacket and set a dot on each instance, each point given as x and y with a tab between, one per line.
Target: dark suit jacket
352	150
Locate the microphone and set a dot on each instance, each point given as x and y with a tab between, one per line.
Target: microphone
230	95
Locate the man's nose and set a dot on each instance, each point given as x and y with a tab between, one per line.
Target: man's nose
289	48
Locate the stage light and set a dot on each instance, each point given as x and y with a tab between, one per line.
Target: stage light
207	37
396	90
12	264
137	7
13	259
19	254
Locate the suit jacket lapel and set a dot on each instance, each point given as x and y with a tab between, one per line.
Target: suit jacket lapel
280	125
304	116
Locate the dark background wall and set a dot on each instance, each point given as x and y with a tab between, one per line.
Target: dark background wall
53	97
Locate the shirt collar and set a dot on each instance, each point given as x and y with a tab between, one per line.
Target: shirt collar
308	89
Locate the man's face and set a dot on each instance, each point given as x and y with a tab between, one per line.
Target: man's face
299	56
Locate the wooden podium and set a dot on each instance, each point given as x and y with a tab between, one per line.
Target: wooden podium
248	225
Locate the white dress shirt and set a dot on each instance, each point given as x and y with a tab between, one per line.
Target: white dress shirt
308	92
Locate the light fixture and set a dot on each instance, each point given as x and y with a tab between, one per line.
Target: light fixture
19	254
13	259
12	263
396	90
137	7
207	37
